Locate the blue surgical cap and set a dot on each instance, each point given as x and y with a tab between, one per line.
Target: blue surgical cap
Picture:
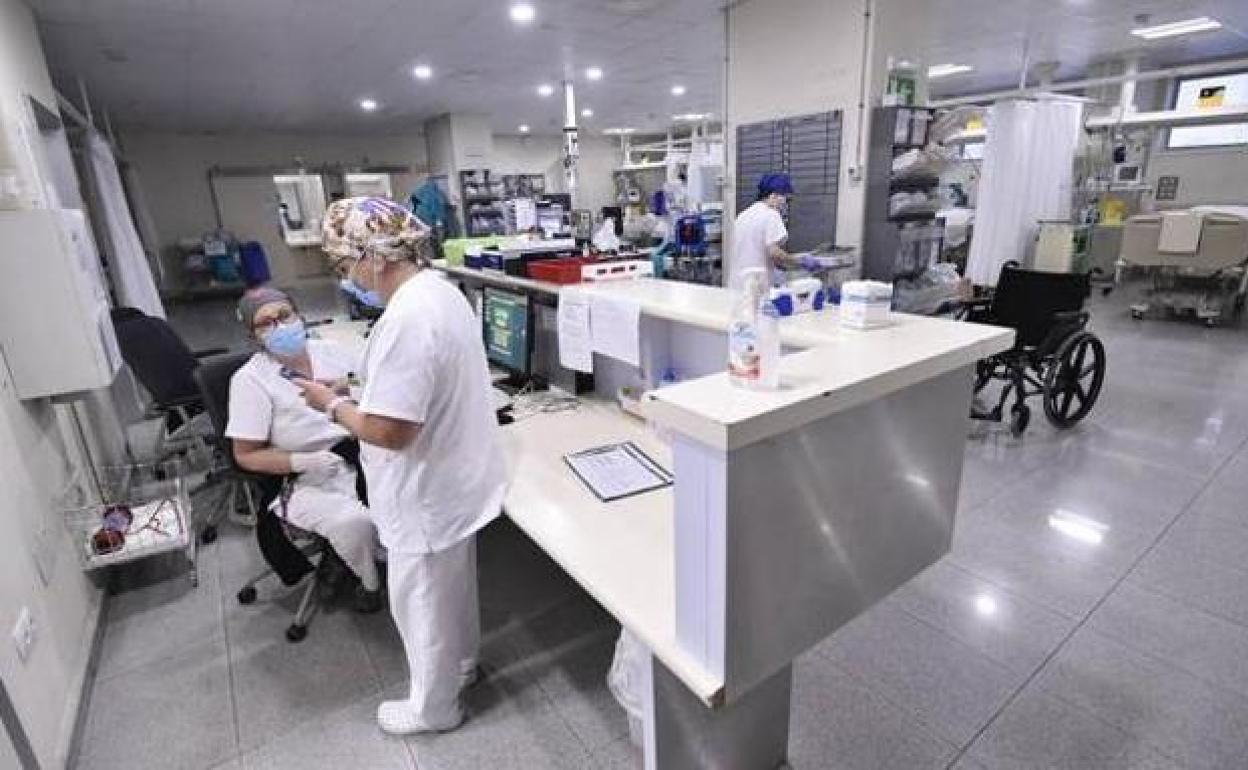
778	184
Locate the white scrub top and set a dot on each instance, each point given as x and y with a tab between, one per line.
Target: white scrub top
426	364
755	230
265	406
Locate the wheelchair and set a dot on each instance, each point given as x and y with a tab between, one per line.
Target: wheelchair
1054	355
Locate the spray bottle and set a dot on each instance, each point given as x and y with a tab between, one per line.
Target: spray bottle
743	353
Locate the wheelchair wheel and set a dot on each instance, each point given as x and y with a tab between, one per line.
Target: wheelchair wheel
1074	379
1020	418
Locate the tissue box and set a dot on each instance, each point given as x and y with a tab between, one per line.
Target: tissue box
866	304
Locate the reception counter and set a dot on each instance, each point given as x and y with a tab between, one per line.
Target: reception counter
792	511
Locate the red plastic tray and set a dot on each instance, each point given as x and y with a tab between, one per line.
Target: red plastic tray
558	270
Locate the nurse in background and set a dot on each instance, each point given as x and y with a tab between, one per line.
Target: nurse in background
759	233
430	449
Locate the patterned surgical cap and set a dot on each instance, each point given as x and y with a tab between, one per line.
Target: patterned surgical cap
358	226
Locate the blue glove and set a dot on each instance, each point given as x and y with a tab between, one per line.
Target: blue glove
809	263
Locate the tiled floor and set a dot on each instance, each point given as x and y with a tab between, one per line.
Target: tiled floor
1024	648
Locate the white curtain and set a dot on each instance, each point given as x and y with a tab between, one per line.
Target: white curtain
131	272
1028	172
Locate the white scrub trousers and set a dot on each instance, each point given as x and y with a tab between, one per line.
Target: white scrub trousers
330	508
433	598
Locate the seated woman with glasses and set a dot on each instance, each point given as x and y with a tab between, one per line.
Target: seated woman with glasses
274	432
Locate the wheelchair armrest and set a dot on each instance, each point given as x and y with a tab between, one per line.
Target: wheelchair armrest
1072	318
209	353
974	310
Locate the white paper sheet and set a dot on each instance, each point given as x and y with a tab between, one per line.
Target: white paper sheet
616	327
576	342
617	471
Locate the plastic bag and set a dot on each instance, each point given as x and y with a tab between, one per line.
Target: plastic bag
605	238
937	288
626	679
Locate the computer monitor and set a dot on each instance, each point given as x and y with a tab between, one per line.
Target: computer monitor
507	326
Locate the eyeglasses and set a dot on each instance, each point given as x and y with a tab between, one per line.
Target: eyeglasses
273	320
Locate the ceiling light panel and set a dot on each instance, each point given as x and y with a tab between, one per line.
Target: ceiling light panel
1176	28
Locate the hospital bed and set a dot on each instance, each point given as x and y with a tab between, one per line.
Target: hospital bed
1196	258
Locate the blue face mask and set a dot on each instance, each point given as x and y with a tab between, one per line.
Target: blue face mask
369	298
286	340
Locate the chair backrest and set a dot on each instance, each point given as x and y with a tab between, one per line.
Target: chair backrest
213	379
1028	300
158	357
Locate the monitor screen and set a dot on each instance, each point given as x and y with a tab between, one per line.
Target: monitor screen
505	321
1210	93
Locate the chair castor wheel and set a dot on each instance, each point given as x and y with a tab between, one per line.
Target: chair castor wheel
247	595
296	633
1020	416
208	535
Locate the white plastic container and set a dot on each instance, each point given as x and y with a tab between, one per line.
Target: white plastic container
866	304
768	346
744	353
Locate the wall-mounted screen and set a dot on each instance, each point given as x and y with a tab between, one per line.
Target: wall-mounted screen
1211	93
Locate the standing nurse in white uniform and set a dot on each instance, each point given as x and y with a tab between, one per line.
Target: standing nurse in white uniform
759	233
430	449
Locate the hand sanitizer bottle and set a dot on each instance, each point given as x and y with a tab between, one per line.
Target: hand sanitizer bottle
744	355
768	326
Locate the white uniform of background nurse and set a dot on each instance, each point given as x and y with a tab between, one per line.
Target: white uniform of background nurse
759	234
430	449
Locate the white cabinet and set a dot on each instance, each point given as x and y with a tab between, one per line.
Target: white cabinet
55	329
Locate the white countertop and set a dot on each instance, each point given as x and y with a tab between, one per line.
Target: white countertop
836	369
623	552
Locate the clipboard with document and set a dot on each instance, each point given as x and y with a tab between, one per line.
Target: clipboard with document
615	471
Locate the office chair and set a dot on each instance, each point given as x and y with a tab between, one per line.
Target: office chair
287	549
163	365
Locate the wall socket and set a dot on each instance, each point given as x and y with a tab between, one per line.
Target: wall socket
24	634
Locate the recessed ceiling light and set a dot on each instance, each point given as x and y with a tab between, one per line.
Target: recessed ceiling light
587	113
678	90
523	128
523	13
422	71
368	105
1175	28
691	117
545	89
619	131
945	70
594	73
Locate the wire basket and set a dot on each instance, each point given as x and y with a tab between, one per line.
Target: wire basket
152	503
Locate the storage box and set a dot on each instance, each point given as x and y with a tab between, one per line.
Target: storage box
615	271
866	304
562	271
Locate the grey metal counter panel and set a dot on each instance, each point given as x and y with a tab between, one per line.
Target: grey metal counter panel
825	521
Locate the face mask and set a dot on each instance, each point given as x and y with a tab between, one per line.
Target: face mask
369	298
287	340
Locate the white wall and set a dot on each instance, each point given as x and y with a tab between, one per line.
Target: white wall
1205	175
528	155
543	155
33	468
795	57
172	171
